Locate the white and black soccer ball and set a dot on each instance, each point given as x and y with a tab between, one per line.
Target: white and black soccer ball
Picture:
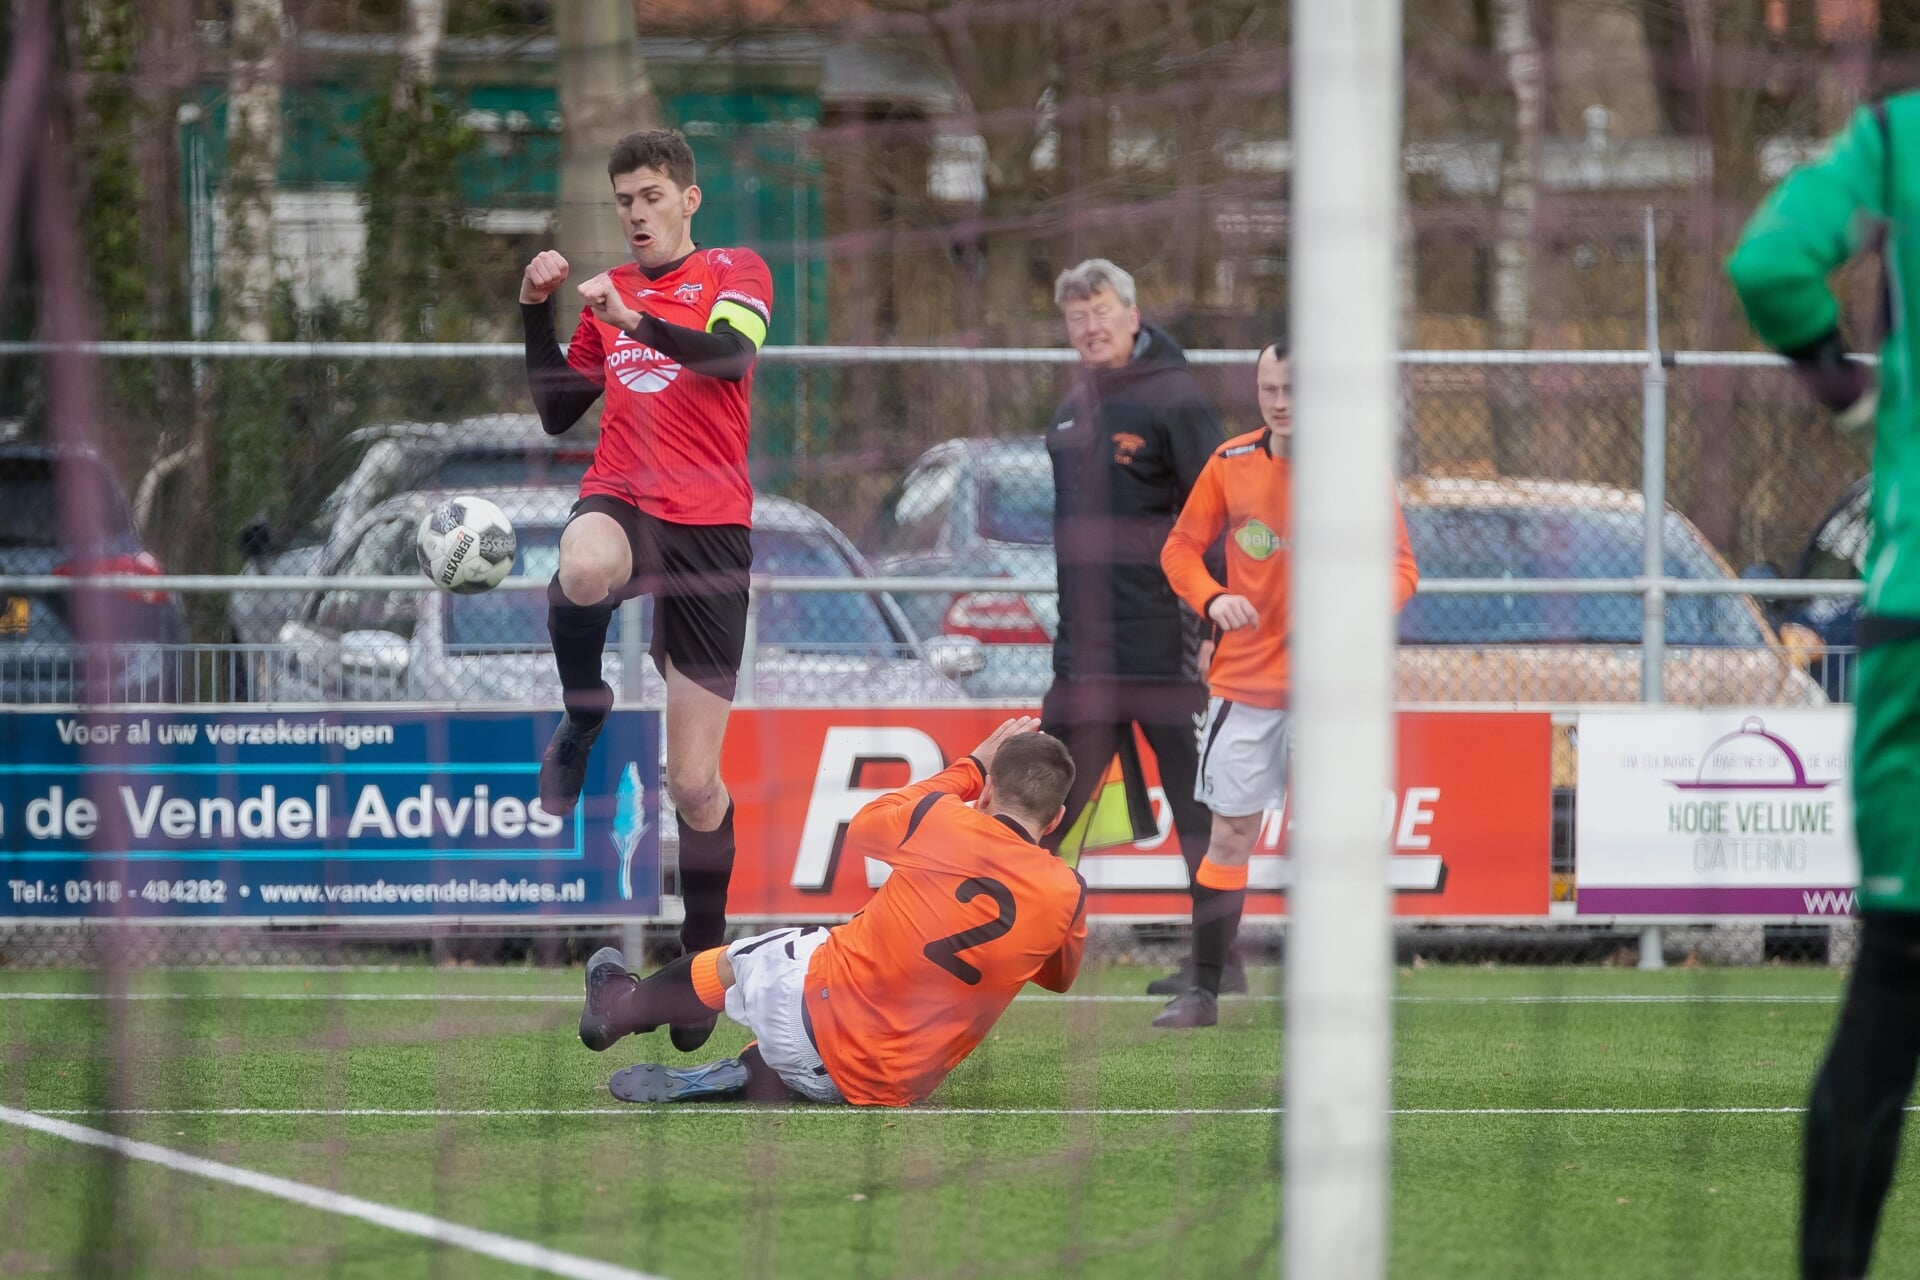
466	545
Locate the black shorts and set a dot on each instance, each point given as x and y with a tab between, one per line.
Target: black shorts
697	575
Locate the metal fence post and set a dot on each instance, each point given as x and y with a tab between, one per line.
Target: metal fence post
1653	489
633	656
749	652
633	650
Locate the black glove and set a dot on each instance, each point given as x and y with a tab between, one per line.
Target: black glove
1844	385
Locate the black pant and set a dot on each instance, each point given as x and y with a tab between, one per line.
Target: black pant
1859	1101
1093	717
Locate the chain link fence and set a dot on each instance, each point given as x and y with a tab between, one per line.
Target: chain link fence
290	486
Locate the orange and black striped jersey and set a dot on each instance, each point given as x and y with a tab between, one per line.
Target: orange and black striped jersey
1247	493
973	911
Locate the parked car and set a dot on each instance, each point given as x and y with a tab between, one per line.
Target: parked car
1565	648
1837	551
972	508
506	449
358	646
42	659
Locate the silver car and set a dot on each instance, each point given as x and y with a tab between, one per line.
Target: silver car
973	508
502	449
430	646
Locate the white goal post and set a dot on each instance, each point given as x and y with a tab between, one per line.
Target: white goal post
1344	326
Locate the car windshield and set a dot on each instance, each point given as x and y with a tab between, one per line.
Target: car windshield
30	507
465	469
1016	504
848	623
391	467
1558	542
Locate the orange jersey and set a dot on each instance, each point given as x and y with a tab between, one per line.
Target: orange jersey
1247	493
973	911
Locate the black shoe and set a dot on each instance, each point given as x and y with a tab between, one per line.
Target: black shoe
1194	1007
650	1082
563	769
1233	981
607	980
689	1036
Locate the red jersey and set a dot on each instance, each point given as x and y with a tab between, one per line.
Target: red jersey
973	911
673	442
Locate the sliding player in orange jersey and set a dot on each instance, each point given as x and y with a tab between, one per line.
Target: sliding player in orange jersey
877	1011
1245	491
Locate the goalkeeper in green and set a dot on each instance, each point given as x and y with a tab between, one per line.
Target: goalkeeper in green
1864	192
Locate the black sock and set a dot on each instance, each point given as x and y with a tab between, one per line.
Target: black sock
1216	923
706	867
579	633
763	1082
1857	1108
663	999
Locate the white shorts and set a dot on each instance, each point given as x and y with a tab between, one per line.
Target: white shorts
1244	752
768	998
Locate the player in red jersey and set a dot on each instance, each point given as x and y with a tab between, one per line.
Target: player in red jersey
670	340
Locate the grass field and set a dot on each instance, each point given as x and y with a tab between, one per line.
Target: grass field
1553	1123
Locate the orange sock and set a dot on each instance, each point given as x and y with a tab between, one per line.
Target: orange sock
706	978
1210	874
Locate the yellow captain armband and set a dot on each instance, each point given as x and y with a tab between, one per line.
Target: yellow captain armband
744	319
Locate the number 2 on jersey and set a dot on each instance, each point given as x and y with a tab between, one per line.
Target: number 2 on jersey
945	952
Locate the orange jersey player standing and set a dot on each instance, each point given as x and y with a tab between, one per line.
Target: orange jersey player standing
877	1011
1246	493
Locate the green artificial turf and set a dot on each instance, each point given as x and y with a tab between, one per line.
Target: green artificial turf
1492	1176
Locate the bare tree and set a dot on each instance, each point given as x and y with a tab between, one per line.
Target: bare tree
604	94
258	38
1510	292
425	28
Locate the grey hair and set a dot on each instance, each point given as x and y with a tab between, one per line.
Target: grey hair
1077	284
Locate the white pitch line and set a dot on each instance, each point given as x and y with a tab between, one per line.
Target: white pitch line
505	1248
712	1110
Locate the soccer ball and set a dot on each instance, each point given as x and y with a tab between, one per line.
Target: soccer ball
466	545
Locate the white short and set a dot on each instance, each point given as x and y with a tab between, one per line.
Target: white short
768	998
1244	752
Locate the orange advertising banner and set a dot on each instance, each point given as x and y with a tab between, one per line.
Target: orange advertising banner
1469	819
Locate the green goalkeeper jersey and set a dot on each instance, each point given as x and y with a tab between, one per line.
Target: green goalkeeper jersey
1824	213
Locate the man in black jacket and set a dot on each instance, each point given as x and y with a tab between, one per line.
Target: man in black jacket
1127	444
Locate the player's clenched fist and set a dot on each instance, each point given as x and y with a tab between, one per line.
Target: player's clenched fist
547	272
601	296
1232	612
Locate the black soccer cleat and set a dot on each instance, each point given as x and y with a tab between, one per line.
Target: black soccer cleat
563	768
1194	1007
689	1036
1233	980
607	980
651	1082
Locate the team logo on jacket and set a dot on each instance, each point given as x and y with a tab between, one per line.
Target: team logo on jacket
688	292
1257	540
639	367
1126	445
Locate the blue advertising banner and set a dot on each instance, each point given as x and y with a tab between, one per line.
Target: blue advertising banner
367	814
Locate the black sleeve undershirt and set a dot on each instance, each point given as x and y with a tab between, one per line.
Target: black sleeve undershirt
721	352
561	393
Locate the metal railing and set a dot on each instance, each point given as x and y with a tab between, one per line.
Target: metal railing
231	670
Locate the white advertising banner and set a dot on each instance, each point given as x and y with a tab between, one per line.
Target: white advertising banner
1715	812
